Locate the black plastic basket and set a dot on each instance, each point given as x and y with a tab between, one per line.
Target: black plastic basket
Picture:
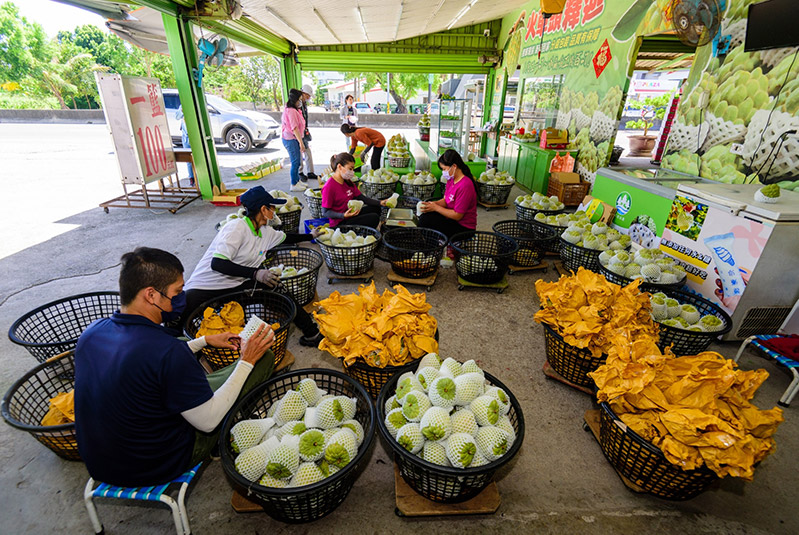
534	240
686	342
309	502
351	260
528	214
644	464
271	307
645	286
441	483
403	201
493	193
477	247
377	190
302	288
572	363
289	221
314	205
402	246
54	328
573	256
420	191
28	401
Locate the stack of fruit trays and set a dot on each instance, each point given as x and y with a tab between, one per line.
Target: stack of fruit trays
450	426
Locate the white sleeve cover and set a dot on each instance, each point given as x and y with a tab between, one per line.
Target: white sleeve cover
197	344
207	416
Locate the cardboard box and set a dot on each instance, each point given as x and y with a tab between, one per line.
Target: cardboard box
594	206
566	178
230	197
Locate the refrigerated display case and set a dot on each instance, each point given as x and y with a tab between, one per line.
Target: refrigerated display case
449	125
741	254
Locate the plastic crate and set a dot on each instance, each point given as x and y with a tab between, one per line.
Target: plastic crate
644	464
440	483
271	307
574	256
493	193
572	363
309	502
54	328
533	238
28	401
377	190
482	257
302	288
351	261
685	342
414	252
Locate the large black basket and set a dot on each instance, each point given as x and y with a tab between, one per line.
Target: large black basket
534	240
482	257
55	327
441	483
271	307
28	401
309	502
289	221
685	342
573	363
645	286
644	464
377	190
421	191
493	193
573	256
351	260
414	252
528	214
314	205
302	288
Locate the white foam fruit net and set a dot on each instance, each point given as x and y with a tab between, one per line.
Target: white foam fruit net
686	136
581	119
772	58
721	132
786	159
585	173
563	120
736	31
602	127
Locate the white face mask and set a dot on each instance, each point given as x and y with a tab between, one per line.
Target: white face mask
348	174
445	174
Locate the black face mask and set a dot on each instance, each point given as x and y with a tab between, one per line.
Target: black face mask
178	307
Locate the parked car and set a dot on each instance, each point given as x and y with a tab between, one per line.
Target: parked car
240	129
364	107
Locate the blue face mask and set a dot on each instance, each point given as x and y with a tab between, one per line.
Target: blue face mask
178	307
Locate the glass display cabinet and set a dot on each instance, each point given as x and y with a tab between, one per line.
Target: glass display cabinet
449	125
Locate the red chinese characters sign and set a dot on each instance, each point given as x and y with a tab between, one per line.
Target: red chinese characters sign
150	129
602	58
575	13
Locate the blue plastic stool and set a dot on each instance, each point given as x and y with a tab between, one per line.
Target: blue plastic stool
152	494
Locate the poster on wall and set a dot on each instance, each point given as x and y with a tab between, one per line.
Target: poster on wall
718	250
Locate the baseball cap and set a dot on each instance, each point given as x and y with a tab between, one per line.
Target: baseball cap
254	198
307	89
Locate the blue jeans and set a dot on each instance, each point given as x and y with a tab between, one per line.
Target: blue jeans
293	146
184	137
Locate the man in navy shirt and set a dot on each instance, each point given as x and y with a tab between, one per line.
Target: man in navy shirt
145	411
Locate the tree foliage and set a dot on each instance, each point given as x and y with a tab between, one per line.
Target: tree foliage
22	43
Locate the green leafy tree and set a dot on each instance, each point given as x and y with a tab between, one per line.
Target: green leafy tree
403	86
151	65
68	80
22	44
258	78
651	108
107	50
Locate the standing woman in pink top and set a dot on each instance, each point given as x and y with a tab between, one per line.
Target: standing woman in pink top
340	189
457	211
293	127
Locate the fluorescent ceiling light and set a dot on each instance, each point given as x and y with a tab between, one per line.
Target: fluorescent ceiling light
286	24
461	13
399	19
323	21
360	19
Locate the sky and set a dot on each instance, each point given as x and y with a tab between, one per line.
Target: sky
54	16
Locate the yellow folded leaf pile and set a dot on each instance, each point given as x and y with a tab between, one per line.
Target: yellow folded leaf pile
62	410
229	319
590	312
388	329
696	409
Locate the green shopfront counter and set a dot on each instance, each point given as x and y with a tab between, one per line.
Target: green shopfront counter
528	163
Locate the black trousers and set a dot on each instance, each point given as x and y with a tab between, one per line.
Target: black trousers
438	222
377	157
369	216
195	298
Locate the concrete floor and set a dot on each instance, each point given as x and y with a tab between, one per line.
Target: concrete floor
559	482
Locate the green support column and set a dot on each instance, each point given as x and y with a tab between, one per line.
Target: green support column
290	75
488	95
183	52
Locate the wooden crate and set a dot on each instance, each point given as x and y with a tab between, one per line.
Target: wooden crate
570	193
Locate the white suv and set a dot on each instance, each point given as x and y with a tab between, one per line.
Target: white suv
240	129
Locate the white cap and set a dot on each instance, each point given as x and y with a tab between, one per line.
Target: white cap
307	89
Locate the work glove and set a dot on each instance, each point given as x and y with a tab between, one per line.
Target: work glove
267	278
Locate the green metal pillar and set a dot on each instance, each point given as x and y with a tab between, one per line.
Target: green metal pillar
290	75
488	96
183	52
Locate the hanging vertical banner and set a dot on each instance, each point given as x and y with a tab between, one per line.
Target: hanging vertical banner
602	58
136	116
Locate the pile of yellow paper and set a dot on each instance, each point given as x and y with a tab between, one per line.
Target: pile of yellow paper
62	410
696	409
388	329
590	312
229	319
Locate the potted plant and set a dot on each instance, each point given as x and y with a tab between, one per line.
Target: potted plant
651	108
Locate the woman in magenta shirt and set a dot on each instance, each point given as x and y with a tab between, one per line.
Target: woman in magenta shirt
340	189
457	211
293	126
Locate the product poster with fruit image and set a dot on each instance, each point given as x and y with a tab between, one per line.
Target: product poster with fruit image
718	250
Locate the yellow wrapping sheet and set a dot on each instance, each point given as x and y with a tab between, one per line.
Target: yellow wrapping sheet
388	329
229	319
62	409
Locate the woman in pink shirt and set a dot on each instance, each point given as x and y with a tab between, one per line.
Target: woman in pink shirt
293	126
457	211
340	190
